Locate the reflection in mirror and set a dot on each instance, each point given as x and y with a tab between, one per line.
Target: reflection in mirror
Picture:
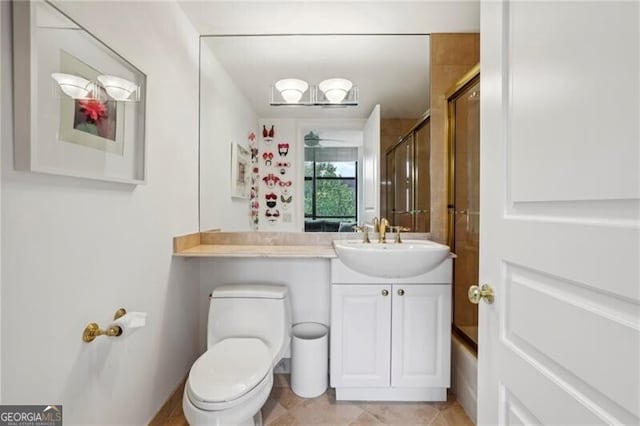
331	180
87	100
408	189
314	168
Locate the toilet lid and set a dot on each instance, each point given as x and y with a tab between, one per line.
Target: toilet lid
229	369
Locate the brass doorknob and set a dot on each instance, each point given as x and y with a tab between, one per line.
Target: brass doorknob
476	293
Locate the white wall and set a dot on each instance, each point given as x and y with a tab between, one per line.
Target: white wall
371	168
73	251
308	280
4	99
226	116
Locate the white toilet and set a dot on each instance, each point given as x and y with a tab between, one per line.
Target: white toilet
249	329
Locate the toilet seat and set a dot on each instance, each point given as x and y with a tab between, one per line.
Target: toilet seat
228	373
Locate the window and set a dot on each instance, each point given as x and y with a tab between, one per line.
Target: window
330	186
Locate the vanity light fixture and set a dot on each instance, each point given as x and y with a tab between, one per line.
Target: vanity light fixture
119	89
74	86
335	89
333	92
291	89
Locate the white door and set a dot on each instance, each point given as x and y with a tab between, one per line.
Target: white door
420	335
360	335
371	167
560	227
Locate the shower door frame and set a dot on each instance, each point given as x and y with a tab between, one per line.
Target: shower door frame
415	171
468	80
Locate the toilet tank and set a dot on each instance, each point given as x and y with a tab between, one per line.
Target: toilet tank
251	310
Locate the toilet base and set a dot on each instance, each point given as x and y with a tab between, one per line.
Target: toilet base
246	413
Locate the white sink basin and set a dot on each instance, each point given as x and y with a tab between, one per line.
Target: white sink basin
391	260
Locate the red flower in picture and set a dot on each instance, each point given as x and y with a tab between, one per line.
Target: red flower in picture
93	110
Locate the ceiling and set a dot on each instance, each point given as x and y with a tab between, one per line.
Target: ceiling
332	17
374	44
390	70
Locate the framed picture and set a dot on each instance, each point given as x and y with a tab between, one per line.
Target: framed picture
79	106
240	171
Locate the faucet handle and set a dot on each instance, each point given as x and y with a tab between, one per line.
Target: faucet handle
397	229
376	224
365	233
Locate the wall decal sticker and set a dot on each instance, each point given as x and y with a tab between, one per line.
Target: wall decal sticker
271	199
283	149
277	160
283	167
268	158
271	180
285	201
268	135
272	215
254	204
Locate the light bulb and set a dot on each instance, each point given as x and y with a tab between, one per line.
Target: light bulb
291	89
118	88
73	86
335	89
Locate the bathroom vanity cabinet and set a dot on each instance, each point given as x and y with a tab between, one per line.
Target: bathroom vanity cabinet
390	339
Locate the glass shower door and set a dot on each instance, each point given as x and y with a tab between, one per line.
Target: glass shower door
422	179
403	187
464	106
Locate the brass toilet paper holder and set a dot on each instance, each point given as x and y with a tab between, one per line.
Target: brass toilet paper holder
93	330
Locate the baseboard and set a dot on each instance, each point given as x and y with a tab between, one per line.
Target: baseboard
283	366
165	411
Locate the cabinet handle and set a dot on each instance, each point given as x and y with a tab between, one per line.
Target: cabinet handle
385	292
401	292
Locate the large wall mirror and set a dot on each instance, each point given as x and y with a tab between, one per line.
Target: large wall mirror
79	105
304	167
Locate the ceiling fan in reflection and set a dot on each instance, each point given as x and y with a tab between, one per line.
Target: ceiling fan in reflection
312	140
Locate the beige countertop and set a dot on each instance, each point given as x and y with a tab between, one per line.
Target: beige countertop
220	250
263	244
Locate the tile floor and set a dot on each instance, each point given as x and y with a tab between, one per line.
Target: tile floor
286	408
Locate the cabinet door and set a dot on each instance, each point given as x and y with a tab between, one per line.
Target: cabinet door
421	336
360	335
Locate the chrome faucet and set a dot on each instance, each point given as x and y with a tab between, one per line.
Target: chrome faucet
382	236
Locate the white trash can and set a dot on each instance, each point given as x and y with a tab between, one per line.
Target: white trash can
309	359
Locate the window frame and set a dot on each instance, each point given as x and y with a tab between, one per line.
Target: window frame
314	179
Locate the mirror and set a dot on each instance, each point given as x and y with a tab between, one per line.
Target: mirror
291	143
408	190
88	102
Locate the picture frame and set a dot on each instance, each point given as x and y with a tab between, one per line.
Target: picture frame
240	171
80	107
